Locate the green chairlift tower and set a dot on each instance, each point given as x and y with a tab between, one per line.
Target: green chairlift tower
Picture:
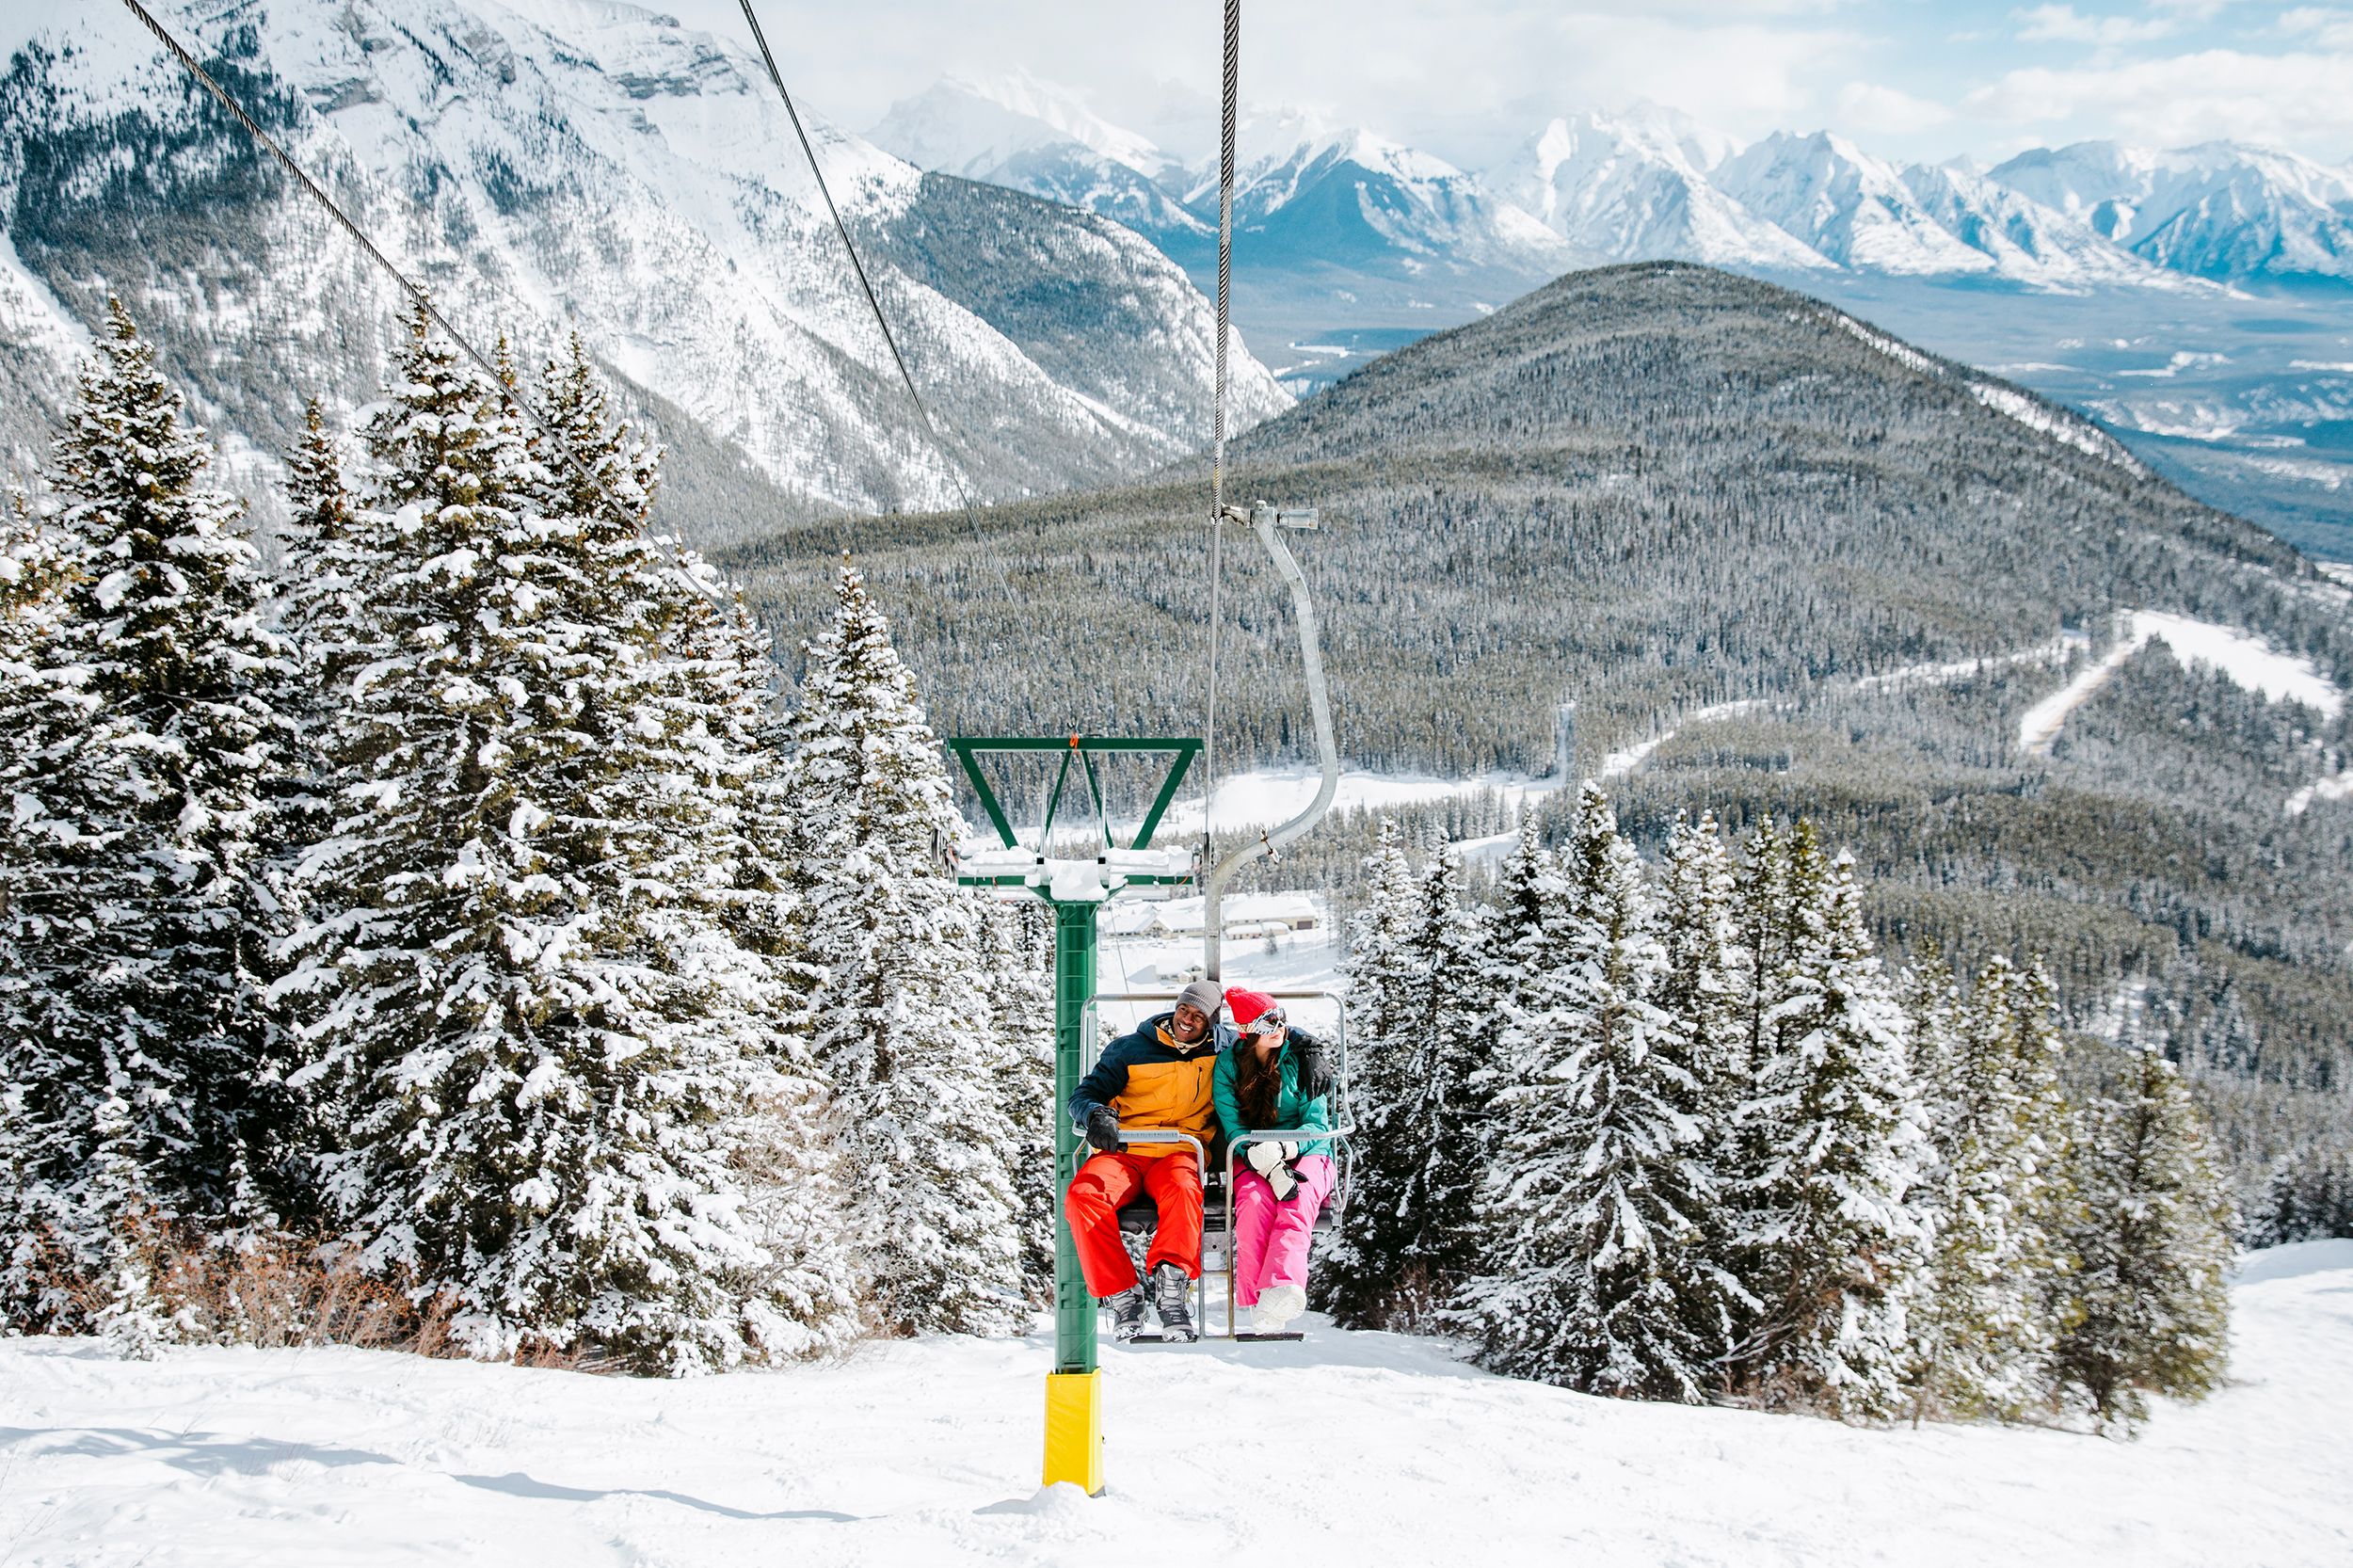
1077	889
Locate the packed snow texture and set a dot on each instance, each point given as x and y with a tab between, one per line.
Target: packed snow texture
2335	787
925	1452
2248	661
1266	796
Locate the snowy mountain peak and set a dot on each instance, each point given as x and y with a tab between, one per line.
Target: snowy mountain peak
967	125
1850	206
1635	188
1701	145
2221	210
2025	240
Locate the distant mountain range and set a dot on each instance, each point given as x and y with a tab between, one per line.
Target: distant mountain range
1334	225
1370	233
602	167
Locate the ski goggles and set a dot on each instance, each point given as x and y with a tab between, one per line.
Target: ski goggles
1265	1023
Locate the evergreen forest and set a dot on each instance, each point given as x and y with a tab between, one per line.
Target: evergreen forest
455	927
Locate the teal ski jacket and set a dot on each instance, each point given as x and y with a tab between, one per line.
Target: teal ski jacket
1292	1107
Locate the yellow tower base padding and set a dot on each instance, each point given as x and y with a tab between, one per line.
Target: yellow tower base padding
1073	1429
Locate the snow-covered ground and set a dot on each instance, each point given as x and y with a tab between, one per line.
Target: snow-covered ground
1265	796
2248	661
1350	1446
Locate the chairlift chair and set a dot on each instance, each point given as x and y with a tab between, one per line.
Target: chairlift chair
1140	1215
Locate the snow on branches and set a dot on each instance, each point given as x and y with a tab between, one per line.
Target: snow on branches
1724	1154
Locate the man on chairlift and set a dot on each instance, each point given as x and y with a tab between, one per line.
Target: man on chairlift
1160	1076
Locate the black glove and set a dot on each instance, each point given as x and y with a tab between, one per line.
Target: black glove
1315	1067
1103	1129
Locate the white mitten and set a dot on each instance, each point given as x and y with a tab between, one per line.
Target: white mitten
1282	1182
1264	1157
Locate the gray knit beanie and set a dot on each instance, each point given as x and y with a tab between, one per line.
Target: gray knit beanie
1205	994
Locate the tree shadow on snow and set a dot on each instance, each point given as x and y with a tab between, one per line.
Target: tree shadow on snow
201	1453
516	1484
210	1454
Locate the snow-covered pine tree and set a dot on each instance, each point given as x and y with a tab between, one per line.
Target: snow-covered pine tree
2309	1196
788	1153
138	726
1980	1332
32	573
1522	935
1703	993
1830	1248
320	605
901	1021
1597	1189
715	685
327	634
1446	1036
2148	1302
541	1039
1766	912
1355	1278
1019	951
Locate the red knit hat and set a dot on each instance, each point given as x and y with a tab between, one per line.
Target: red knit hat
1254	1011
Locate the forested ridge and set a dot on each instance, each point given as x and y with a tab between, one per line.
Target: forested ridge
1653	489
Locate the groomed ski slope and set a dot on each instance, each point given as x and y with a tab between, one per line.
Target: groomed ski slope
1351	1448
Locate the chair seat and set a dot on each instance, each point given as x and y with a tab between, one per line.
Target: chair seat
1143	1216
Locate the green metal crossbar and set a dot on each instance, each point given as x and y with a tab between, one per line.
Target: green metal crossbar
1081	749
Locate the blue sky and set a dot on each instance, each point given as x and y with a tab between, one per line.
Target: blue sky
1468	79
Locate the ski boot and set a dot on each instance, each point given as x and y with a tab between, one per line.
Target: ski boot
1172	1293
1127	1313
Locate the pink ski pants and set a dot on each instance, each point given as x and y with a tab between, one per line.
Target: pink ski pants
1271	1238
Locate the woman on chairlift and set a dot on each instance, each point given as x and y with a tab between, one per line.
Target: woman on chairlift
1275	1079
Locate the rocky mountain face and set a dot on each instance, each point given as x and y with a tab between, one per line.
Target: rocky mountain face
617	173
2223	211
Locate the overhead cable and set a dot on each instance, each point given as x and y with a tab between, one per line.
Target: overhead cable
874	303
1226	119
424	300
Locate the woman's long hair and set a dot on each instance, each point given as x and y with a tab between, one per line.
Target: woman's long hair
1258	1085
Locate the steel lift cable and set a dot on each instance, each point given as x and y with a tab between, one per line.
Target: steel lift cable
874	303
1228	102
424	300
1264	520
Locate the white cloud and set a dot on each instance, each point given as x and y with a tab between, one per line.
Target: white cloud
1467	81
1868	108
2327	26
2065	25
2296	99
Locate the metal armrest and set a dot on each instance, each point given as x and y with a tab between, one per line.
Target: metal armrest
1166	1135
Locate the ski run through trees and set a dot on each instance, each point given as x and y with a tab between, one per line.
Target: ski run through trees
450	937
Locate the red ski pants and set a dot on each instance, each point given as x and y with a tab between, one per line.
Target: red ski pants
1093	1200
